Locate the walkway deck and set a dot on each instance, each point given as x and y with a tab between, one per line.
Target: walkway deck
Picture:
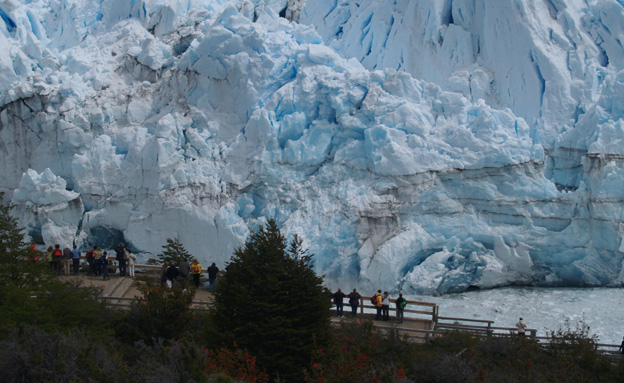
422	324
124	287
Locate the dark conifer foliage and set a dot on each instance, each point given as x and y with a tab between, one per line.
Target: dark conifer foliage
30	294
13	250
174	251
271	303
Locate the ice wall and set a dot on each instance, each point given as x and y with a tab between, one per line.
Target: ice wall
200	119
545	60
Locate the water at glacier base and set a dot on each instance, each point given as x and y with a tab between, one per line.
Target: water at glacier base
544	309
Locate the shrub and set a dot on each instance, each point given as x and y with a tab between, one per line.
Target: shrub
33	355
237	364
159	313
358	354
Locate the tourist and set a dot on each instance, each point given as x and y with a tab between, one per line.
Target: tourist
163	274
385	306
50	257
104	260
621	349
75	259
354	301
400	307
185	270
196	269
120	255
338	301
131	259
378	300
521	325
213	271
57	257
172	274
67	260
89	256
97	261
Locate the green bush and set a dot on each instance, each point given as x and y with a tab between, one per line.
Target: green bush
33	355
160	313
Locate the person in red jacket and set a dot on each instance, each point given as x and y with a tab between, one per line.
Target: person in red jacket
57	257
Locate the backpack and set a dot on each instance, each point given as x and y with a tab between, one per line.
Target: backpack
403	304
374	300
90	254
57	253
196	268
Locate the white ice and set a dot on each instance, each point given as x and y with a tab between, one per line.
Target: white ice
429	147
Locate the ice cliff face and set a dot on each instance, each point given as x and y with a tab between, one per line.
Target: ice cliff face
428	146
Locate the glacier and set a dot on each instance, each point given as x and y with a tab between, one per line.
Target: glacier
423	146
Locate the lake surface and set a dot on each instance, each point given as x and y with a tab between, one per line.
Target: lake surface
544	309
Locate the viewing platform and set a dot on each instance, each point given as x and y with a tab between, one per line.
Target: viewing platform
422	322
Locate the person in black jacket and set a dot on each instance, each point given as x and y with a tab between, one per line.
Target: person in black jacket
172	274
184	270
354	301
338	300
213	271
120	254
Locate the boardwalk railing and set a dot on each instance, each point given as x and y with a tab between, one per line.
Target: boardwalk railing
441	325
413	310
124	302
479	327
148	270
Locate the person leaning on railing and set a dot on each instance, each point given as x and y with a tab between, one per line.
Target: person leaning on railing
354	301
400	307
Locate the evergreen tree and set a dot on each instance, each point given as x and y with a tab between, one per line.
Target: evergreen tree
271	303
30	294
15	267
174	251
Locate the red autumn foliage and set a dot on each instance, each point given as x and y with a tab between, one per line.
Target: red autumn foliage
236	364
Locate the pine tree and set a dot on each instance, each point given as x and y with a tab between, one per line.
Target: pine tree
15	267
174	251
30	294
271	303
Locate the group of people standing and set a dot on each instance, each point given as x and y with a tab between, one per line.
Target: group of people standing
67	259
380	301
99	262
170	273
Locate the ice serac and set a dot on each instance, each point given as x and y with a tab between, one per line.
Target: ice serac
429	146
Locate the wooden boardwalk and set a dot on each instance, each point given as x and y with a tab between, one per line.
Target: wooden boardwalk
422	322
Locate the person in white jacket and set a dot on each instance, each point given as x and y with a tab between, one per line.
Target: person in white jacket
131	259
521	325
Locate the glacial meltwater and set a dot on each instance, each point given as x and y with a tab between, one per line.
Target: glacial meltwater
544	309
